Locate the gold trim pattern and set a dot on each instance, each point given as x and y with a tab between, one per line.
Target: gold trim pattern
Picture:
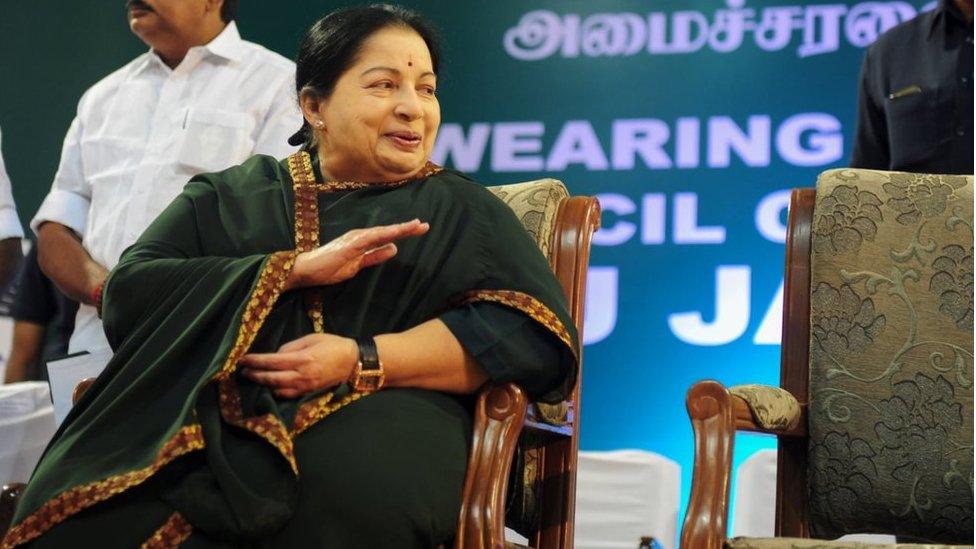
171	534
529	305
307	226
301	162
266	291
269	286
314	410
428	170
269	427
74	500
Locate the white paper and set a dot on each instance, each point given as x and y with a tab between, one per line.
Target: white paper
66	373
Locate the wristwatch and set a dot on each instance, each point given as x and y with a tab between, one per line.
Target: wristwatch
368	374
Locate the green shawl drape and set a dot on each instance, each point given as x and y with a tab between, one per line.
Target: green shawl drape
203	286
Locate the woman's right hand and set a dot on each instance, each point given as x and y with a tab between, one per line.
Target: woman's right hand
342	258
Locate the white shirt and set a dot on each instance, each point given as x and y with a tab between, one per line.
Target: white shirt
143	131
9	222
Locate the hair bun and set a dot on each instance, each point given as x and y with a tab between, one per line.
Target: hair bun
300	137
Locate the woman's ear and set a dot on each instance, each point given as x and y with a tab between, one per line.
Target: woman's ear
312	108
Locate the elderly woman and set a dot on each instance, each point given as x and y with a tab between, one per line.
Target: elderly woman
294	347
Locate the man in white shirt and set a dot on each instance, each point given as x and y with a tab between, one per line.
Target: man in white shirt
202	99
10	229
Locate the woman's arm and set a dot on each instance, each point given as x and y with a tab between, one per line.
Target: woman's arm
427	356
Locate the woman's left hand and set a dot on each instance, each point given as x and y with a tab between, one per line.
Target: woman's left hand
308	364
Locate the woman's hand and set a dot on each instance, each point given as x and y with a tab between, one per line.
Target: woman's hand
306	365
342	258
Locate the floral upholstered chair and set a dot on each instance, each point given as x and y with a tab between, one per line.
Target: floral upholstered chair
874	413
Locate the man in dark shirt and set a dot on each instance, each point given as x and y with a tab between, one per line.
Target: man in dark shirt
43	321
915	110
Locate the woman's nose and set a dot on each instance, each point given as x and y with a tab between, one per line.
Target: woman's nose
408	105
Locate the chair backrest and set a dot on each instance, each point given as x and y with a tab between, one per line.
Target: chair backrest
536	204
890	415
544	477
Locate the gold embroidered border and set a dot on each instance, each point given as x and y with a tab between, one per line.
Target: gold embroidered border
269	286
74	500
428	170
171	534
269	427
303	160
528	305
314	410
307	226
306	202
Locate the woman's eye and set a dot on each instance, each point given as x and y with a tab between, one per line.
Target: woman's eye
384	85
428	90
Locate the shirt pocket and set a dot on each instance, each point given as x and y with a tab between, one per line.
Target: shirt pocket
215	139
919	122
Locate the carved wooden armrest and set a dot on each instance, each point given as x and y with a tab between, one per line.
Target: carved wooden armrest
716	413
80	389
767	409
498	420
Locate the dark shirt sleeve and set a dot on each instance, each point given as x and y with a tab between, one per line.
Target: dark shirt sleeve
510	346
35	295
871	136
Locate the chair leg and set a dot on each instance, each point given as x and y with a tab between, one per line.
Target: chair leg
710	410
557	502
498	420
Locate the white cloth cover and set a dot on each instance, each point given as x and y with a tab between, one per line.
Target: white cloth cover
26	426
623	495
754	507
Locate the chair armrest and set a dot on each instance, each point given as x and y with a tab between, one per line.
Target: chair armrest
499	415
8	504
80	389
716	413
767	409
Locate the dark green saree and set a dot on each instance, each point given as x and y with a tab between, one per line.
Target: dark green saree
171	446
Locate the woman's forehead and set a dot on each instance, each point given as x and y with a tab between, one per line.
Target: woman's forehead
395	48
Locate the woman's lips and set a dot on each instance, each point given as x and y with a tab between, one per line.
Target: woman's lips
405	140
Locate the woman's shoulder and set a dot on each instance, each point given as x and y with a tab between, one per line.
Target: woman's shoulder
256	173
460	188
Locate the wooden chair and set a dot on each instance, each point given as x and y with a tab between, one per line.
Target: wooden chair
877	312
545	453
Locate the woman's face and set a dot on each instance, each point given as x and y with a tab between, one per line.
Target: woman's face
381	120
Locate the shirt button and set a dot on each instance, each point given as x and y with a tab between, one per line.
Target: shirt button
960	131
964	80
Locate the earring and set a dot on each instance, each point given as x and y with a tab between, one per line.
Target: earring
319	124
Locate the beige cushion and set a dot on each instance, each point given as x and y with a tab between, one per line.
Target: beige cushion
796	543
891	356
771	407
536	204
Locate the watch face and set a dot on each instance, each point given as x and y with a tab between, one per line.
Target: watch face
369	380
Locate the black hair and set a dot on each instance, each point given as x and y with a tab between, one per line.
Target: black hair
228	10
332	43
